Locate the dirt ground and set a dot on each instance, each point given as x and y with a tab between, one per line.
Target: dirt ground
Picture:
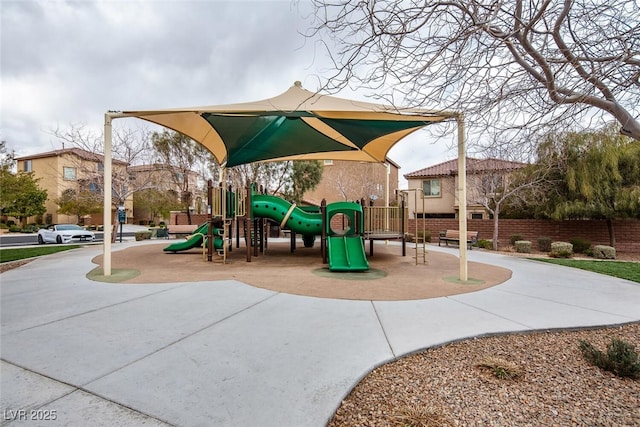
391	277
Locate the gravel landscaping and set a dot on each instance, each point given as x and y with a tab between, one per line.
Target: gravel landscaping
446	386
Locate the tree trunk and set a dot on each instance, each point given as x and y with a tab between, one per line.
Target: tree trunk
612	233
186	200
496	215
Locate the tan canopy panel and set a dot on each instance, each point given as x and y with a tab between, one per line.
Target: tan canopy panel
296	125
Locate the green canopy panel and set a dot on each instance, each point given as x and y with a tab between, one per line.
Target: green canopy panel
258	138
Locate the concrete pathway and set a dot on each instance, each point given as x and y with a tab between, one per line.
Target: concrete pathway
226	354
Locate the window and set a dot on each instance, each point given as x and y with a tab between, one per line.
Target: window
28	166
328	162
476	216
431	187
69	174
100	167
420	215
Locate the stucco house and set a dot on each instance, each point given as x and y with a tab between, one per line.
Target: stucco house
71	169
352	181
437	186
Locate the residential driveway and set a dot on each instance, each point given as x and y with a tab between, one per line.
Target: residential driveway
228	354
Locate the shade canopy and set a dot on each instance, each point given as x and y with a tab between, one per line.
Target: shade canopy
295	125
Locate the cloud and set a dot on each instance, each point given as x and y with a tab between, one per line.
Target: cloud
68	62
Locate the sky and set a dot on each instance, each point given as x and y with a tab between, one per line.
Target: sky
66	63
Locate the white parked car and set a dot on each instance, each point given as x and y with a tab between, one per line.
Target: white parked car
65	233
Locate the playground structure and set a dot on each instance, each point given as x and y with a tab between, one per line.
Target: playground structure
343	227
295	125
198	239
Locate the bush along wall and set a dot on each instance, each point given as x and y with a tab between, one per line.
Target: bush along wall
561	250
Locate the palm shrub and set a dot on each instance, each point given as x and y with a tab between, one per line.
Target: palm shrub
621	358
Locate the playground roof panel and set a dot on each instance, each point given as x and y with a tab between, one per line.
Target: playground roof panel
295	125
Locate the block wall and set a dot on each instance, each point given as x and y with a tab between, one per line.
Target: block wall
627	232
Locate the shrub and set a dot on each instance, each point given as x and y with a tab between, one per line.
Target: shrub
14	228
420	416
142	235
414	237
621	358
561	250
485	244
162	224
500	368
514	238
31	228
523	246
426	235
544	244
604	252
580	245
152	224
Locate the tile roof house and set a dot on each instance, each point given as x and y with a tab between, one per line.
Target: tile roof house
69	169
433	189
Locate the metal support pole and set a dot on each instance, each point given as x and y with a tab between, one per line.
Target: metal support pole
106	215
223	203
210	221
462	198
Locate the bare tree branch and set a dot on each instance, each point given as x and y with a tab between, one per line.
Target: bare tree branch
507	65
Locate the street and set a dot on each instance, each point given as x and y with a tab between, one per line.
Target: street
28	239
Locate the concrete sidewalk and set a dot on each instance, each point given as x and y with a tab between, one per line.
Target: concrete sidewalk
227	354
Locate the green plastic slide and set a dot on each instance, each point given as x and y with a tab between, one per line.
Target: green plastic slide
195	241
275	208
346	253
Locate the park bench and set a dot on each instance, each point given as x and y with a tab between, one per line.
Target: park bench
454	236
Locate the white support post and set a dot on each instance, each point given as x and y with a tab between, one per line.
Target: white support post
223	203
106	218
462	198
386	196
